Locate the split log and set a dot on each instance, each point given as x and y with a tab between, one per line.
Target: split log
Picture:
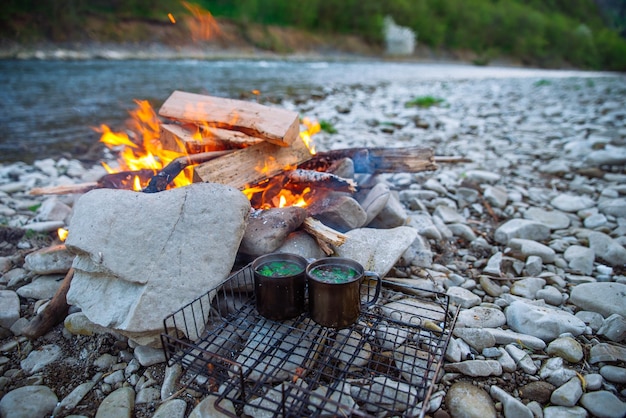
275	125
194	139
53	314
250	165
377	160
324	235
321	179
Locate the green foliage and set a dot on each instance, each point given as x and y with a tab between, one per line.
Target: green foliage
538	32
424	102
327	127
34	208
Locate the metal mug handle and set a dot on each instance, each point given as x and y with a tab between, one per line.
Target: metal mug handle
376	292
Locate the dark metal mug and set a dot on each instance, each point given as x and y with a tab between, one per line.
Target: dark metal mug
336	303
280	297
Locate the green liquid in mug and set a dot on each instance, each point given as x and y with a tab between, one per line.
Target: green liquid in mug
334	273
279	269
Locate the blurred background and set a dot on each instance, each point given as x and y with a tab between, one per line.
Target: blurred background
588	34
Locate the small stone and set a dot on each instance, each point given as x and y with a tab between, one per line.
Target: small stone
375	201
268	229
206	409
9	308
521	228
392	215
593	381
105	361
70	401
174	408
614	328
522	359
564	412
40	358
483	176
603	298
508	336
118	404
462	231
476	368
572	203
542	322
463	297
494	265
481	317
527	288
448	215
614	374
146	395
593	319
464	400
147	356
496	196
512	407
49	260
606	353
476	337
567	348
539	391
580	259
490	286
41	288
607	249
506	361
553	219
172	374
555	373
550	295
567	394
28	402
603	404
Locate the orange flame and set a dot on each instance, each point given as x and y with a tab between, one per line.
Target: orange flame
62	233
144	150
203	26
171	18
312	127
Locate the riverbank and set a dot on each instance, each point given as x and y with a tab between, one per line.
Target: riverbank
527	238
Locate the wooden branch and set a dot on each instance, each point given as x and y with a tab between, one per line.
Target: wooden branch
377	160
452	159
275	125
194	139
251	165
53	314
163	178
324	233
121	180
321	179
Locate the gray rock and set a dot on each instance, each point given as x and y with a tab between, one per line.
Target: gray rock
41	288
48	226
9	308
476	337
614	374
425	226
553	219
268	229
508	336
511	406
542	322
377	249
595	221
483	176
527	288
593	381
494	265
146	395
339	212
375	201
481	317
462	231
537	391
567	394
392	215
463	297
527	248
52	209
448	215
593	319
147	356
522	359
564	412
554	372
506	361
49	260
551	295
174	408
607	249
614	328
40	358
105	361
603	404
490	286
28	402
68	403
496	196
580	258
603	298
78	324
521	228
118	404
572	203
172	374
606	353
464	400
567	348
301	243
613	207
118	291
206	409
476	368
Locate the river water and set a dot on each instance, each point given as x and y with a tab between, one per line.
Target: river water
49	108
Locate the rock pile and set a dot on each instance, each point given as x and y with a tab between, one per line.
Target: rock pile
528	239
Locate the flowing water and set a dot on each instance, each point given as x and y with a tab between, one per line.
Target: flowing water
49	108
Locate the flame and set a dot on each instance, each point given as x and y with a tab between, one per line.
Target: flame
171	18
203	26
141	149
62	233
312	127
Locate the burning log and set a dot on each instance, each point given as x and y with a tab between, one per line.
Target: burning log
53	314
377	160
275	125
252	164
121	180
181	139
321	179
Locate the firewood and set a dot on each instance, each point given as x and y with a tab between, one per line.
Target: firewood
65	189
276	125
320	179
53	314
251	165
377	160
195	139
163	178
323	234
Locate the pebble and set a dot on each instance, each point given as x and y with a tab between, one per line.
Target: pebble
567	348
9	308
481	317
567	394
147	356
522	359
28	402
542	322
512	407
603	404
38	359
465	400
118	404
475	368
614	374
603	298
613	328
564	412
463	297
174	408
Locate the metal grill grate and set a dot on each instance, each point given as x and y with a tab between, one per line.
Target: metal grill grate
384	365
